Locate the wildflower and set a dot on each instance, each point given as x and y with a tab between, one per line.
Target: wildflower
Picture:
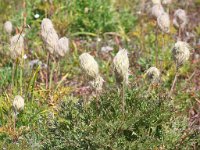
8	27
164	22
49	35
97	83
181	53
18	104
62	46
25	56
157	10
89	65
180	19
121	66
16	45
153	74
36	16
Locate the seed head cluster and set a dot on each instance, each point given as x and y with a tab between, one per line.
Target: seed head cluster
54	45
153	74
164	22
121	66
16	45
91	68
180	18
18	104
49	35
8	27
181	53
157	10
62	46
97	83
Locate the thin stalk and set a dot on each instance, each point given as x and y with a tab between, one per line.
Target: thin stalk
174	82
123	97
21	81
16	74
156	45
97	100
15	116
163	49
179	33
21	72
33	82
51	75
13	74
47	73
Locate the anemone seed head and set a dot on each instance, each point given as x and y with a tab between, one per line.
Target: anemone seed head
16	45
180	18
121	66
164	22
18	103
97	83
153	74
49	35
181	53
89	65
157	10
62	46
8	27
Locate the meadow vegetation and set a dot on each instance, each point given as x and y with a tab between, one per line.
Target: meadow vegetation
131	90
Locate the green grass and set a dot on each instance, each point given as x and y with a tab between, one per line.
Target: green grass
56	118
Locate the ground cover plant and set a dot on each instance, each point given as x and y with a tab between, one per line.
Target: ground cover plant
91	74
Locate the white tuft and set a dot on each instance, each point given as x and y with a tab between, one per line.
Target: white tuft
181	53
8	27
164	22
157	10
49	35
18	103
97	83
62	46
180	18
153	74
89	65
121	66
16	46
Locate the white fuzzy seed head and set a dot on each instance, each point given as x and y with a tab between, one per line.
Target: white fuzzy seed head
153	74
18	103
181	53
121	66
8	27
49	35
164	22
62	46
180	18
16	45
89	65
157	10
97	83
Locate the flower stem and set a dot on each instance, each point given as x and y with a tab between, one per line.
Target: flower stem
123	98
174	82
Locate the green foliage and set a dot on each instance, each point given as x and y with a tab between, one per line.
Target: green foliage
55	118
147	123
